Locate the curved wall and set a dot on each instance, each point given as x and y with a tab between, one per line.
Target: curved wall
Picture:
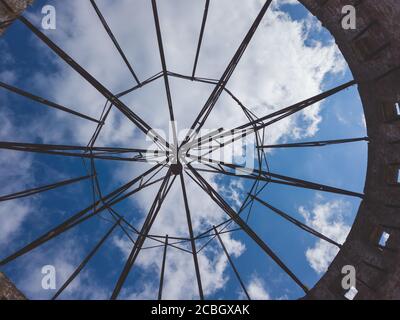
373	54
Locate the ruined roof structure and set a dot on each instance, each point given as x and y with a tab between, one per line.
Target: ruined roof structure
372	52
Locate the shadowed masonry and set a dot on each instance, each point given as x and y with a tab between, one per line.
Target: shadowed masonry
9	13
8	291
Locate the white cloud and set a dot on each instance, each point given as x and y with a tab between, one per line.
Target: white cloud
65	257
329	218
256	289
180	266
11	219
277	70
15	172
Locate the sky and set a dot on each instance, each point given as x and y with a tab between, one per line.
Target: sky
290	58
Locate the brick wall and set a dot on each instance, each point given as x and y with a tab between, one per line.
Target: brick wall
373	54
8	291
7	16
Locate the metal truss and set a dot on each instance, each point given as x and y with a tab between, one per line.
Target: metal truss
186	158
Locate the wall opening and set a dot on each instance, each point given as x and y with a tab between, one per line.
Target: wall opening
391	111
351	293
392	174
383	239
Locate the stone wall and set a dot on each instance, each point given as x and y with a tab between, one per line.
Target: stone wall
7	16
373	54
8	291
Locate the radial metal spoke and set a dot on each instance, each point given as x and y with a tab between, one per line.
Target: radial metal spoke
45	101
203	26
86	260
103	153
165	72
114	40
81	216
311	185
231	263
256	125
163	268
30	192
313	143
256	174
192	240
150	218
214	195
297	222
283	113
212	100
140	123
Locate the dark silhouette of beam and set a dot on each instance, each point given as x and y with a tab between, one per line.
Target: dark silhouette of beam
114	40
160	290
140	123
45	102
32	191
231	263
203	26
150	218
297	222
212	100
256	174
322	143
214	195
192	240
258	124
145	82
111	199
164	69
85	261
103	153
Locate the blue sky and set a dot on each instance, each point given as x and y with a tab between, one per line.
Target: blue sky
29	65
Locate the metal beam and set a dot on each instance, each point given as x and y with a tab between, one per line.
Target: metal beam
163	269
322	143
258	124
86	260
140	123
297	222
203	26
145	82
45	102
81	216
150	218
257	174
241	223
32	191
212	100
165	72
114	40
103	153
232	264
192	240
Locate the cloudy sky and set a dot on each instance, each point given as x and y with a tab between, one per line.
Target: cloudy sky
290	58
